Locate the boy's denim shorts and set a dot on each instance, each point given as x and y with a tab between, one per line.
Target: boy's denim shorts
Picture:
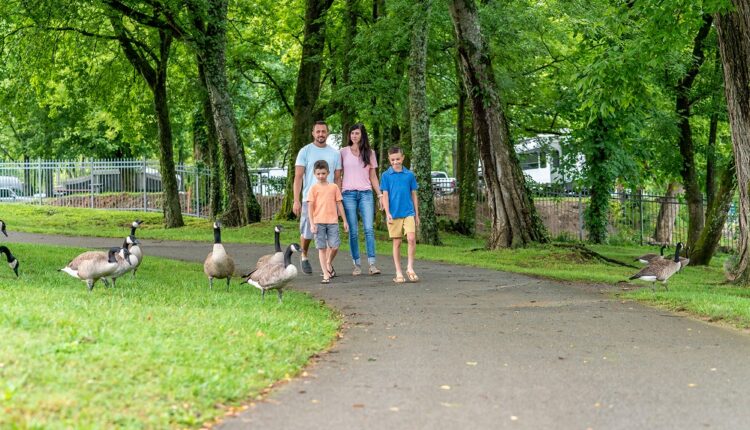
327	236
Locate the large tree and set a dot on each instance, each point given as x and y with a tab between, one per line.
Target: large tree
514	219
734	43
307	91
419	121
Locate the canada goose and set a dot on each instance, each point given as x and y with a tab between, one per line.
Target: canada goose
661	269
218	263
126	264
275	276
2	228
278	256
12	261
135	247
646	258
684	261
94	265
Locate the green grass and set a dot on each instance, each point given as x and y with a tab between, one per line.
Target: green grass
158	351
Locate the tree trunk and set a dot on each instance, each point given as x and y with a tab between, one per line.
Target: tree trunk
307	91
597	213
687	150
212	158
419	120
716	216
668	210
242	207
466	164
514	219
156	79
734	42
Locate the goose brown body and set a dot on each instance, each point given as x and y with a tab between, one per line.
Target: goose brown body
218	264
660	269
275	276
91	266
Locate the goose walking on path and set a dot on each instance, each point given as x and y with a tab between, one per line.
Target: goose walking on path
278	256
218	263
275	276
647	258
660	269
94	265
12	261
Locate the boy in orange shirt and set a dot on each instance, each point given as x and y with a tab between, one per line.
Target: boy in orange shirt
325	207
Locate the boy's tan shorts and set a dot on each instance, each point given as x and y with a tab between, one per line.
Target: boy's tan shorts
401	226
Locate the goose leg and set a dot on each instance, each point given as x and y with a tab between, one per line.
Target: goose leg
665	286
90	284
279	293
228	279
134	270
106	282
262	296
210	283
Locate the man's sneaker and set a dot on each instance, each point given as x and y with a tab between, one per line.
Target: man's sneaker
306	266
357	270
374	270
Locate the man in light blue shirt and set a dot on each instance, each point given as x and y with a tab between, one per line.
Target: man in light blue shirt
304	178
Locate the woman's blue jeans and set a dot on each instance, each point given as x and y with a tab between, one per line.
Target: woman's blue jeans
362	203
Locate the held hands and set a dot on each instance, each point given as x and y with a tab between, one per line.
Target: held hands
389	218
346	226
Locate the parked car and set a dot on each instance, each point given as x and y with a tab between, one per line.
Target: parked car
10	195
442	183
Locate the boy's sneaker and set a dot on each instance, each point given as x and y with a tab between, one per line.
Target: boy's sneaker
306	266
374	270
357	270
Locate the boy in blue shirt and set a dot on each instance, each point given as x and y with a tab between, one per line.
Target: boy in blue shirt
399	187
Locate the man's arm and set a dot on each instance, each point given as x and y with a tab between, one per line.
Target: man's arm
299	174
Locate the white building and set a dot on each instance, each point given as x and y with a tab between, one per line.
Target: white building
540	156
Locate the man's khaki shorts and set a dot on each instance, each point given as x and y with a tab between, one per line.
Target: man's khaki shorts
401	226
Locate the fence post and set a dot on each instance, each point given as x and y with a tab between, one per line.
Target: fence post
197	191
640	206
39	179
91	199
580	216
145	202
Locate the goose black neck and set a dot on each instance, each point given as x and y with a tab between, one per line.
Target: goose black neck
288	256
217	235
277	240
8	255
677	253
132	231
661	252
112	256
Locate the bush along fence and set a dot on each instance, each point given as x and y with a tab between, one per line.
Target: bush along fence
136	185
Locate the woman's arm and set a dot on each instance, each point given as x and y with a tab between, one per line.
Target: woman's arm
376	186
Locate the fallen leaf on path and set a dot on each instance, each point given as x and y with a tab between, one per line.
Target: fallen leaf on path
513	418
358	405
393	409
445	387
471	363
691	385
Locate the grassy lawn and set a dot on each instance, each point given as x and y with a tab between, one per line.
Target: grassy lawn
158	351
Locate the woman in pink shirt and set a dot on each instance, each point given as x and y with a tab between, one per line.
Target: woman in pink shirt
359	179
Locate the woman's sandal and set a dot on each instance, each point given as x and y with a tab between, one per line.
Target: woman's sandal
325	281
399	279
412	276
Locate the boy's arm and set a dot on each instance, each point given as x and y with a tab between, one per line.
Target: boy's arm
415	202
387	207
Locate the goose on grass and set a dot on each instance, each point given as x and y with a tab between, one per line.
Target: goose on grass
12	261
660	269
91	266
2	228
275	276
646	258
135	246
218	264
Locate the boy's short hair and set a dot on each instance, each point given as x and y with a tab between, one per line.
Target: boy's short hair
395	150
321	165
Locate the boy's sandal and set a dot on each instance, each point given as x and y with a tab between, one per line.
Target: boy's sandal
412	276
399	279
325	281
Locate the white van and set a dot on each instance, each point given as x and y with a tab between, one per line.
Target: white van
11	182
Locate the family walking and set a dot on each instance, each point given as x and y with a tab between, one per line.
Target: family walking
329	184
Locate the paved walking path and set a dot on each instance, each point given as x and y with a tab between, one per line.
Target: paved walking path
476	349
